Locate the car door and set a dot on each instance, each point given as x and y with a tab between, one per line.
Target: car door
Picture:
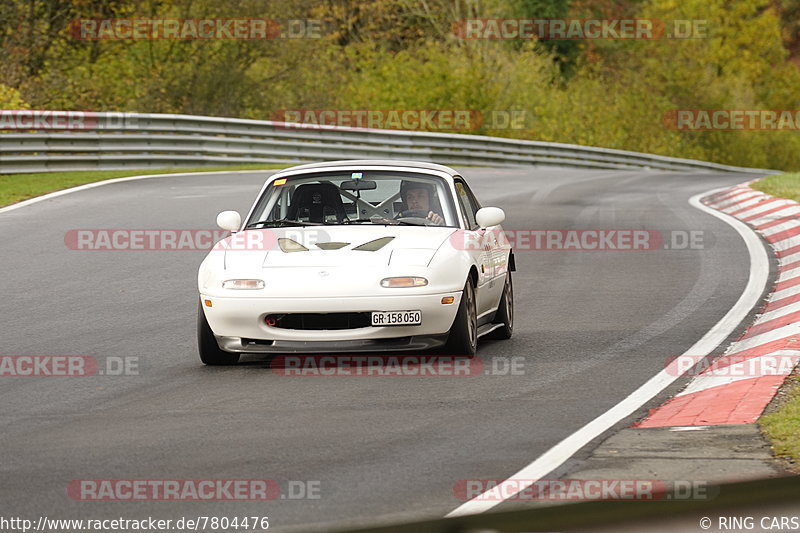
482	250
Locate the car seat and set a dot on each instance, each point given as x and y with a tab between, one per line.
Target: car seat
316	201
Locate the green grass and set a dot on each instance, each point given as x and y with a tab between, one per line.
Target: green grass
17	187
783	425
780	185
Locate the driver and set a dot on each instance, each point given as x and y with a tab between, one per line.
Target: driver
417	196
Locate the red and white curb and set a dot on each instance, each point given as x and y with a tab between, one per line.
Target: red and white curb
566	448
737	387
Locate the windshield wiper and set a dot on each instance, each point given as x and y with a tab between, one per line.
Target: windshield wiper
406	223
282	223
376	220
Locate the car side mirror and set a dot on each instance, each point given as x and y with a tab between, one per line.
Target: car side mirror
229	220
487	217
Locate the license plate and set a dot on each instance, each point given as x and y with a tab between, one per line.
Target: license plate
397	318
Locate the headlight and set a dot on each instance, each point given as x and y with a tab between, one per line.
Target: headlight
243	284
391	283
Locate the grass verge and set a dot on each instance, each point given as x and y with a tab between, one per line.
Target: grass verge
782	424
780	185
17	187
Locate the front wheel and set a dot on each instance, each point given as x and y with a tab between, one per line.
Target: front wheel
210	352
505	312
463	339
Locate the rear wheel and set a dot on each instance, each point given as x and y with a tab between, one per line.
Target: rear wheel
505	312
210	352
463	339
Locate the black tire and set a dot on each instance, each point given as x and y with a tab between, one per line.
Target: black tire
463	339
505	312
210	352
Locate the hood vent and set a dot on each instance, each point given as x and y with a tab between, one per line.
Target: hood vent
331	245
374	246
289	245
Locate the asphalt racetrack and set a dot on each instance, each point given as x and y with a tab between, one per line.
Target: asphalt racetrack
591	327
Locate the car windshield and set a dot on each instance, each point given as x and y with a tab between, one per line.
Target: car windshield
355	197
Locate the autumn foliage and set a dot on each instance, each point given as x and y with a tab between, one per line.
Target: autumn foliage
405	54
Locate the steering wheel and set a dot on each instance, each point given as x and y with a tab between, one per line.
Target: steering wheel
413	213
416	216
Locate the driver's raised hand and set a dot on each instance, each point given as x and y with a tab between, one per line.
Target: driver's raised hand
436	219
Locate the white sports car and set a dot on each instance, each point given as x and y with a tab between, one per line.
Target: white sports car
357	256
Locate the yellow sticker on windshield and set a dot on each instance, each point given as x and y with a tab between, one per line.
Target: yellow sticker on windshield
279	182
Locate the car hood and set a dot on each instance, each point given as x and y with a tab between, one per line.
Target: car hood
351	247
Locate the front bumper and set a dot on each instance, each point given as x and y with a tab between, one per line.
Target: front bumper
401	344
239	325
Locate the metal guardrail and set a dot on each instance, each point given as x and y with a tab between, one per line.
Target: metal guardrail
145	140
